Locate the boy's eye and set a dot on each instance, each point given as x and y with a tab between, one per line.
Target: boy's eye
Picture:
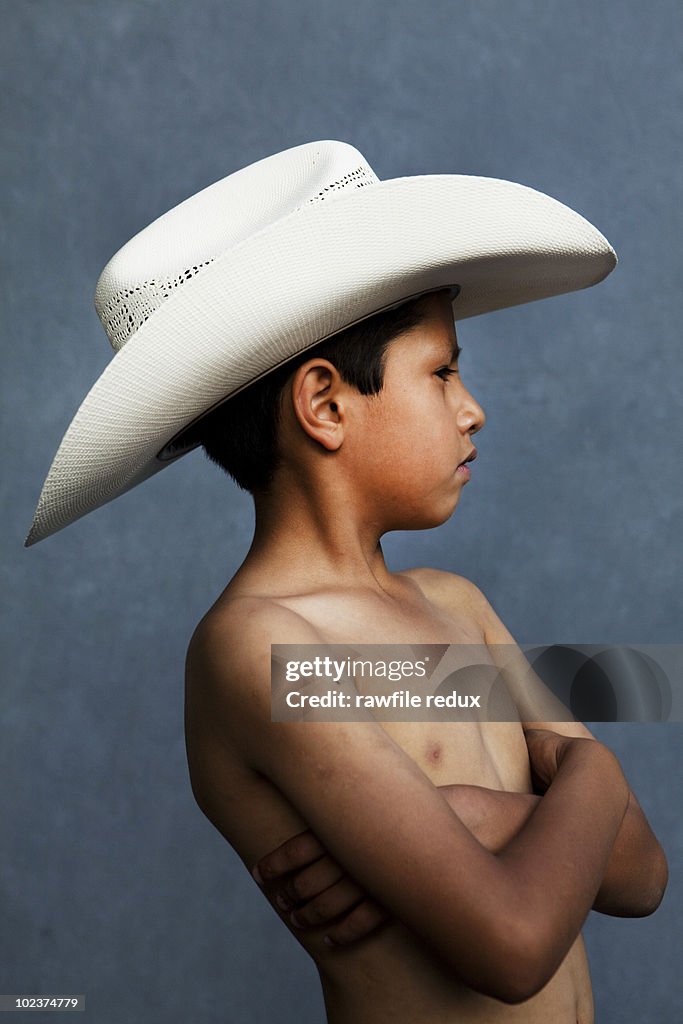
445	372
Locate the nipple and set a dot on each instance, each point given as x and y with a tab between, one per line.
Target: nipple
434	752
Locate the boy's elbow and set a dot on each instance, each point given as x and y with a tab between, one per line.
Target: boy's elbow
518	963
647	891
653	891
529	970
642	891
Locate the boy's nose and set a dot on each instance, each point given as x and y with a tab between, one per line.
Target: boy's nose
471	416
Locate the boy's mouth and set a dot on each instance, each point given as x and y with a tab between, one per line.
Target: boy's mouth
463	468
470	458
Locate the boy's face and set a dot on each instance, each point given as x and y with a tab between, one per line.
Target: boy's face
419	428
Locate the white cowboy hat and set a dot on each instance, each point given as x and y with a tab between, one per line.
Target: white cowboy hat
267	262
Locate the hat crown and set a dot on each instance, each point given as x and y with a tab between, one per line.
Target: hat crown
178	245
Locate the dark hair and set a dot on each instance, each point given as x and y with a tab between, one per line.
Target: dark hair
241	435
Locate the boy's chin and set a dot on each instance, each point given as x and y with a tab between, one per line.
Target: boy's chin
426	519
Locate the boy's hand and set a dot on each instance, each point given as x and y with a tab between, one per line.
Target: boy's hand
303	881
546	751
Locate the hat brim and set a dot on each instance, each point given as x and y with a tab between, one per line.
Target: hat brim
309	275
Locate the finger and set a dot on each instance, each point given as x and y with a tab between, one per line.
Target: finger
338	899
303	886
363	919
295	853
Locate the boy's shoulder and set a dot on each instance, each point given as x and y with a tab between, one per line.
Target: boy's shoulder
458	595
447	589
239	625
229	651
228	672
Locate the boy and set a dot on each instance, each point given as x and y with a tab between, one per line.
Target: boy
428	829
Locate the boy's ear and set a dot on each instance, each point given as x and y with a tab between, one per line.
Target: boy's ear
318	403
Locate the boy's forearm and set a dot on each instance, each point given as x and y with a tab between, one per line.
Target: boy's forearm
559	857
636	873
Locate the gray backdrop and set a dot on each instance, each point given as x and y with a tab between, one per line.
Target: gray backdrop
112	882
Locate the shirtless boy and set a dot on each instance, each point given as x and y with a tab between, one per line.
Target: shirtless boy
453	890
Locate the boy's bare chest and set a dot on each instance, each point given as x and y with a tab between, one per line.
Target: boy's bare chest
491	754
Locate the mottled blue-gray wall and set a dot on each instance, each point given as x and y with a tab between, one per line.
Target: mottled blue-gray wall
112	884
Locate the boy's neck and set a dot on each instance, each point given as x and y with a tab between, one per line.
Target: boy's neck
304	541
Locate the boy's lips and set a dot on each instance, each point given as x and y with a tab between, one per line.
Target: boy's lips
470	458
463	468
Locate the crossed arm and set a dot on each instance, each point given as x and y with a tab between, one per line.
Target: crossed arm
317	891
488	915
302	879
